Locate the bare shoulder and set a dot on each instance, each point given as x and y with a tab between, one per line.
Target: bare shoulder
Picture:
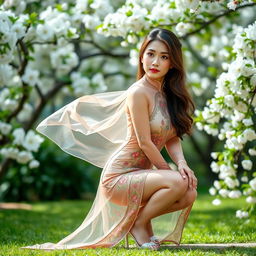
138	92
138	98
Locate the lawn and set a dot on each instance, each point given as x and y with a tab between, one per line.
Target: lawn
51	221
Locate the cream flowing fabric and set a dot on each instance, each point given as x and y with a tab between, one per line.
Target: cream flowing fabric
97	129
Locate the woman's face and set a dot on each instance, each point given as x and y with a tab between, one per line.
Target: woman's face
156	60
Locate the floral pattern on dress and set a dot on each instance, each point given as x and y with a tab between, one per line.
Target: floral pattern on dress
134	160
158	136
134	199
137	159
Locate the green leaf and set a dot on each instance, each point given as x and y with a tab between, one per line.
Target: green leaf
129	13
59	7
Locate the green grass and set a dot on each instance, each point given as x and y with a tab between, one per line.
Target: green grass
51	221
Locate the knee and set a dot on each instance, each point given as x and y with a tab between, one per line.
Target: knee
177	184
191	196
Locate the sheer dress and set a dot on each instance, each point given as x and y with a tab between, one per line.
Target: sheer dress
98	128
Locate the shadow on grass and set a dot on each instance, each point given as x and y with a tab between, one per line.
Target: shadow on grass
52	221
224	251
44	223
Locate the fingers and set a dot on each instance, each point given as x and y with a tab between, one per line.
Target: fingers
192	180
183	174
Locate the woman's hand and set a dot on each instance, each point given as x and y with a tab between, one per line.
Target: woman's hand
186	171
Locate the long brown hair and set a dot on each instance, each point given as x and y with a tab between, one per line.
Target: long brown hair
179	102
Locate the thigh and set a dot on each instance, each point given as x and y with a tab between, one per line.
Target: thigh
159	179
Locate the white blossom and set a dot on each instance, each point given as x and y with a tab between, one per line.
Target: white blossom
212	191
238	116
215	167
251	31
6	73
10	104
224	192
32	141
252	183
25	113
214	155
234	194
81	5
232	5
99	81
229	100
247	164
5	128
244	179
249	134
231	183
211	130
253	81
33	164
183	28
19	135
19	30
24	157
9	152
252	151
216	184
182	5
44	32
90	21
31	76
241	214
241	107
64	59
216	201
251	200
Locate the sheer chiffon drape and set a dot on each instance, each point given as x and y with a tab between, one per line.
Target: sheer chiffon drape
97	129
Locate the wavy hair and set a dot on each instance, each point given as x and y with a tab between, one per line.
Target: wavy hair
179	102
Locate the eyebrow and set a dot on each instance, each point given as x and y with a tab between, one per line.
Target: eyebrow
161	52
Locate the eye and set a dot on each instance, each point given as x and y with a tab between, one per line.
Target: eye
165	57
150	54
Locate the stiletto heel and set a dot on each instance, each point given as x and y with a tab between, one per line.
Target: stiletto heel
127	241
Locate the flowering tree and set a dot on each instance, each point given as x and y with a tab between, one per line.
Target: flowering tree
47	53
44	56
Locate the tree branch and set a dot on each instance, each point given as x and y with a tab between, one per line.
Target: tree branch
207	23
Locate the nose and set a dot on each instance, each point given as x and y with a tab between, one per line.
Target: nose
155	61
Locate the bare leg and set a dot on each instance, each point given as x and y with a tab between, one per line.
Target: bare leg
184	202
149	226
162	189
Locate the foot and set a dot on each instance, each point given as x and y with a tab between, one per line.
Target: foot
152	246
140	234
151	235
155	240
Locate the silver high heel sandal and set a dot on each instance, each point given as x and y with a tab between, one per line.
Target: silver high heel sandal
151	245
155	240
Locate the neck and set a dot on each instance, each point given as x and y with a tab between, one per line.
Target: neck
153	82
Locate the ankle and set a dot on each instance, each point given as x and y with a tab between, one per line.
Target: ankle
141	222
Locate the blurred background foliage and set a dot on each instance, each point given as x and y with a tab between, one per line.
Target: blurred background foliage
62	176
59	176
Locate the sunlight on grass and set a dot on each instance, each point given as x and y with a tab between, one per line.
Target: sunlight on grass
51	221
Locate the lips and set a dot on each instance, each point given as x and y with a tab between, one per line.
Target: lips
153	70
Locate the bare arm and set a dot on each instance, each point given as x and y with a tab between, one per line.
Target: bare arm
174	149
137	103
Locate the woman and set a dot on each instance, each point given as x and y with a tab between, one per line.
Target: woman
124	132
